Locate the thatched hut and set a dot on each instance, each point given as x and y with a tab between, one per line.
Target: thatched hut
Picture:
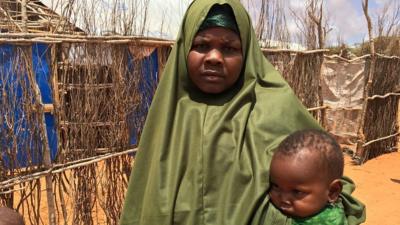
18	16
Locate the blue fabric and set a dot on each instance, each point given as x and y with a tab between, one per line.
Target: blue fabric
29	147
147	86
41	66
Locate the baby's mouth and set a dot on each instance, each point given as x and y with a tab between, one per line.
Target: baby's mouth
286	208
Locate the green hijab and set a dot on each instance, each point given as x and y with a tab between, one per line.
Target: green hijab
205	159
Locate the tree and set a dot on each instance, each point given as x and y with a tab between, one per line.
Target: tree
313	24
271	20
388	19
316	14
99	17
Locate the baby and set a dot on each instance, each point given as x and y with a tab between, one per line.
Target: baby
10	217
305	177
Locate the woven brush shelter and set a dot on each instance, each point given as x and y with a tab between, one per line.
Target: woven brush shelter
302	70
379	128
73	111
32	16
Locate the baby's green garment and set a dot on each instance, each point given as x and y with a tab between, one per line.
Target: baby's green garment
331	215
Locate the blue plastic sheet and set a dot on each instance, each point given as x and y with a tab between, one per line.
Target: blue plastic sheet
29	151
147	87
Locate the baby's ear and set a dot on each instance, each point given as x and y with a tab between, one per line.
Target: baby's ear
334	190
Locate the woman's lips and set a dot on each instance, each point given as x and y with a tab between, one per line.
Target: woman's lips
212	76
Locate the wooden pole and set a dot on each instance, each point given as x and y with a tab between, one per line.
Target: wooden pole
361	155
24	16
56	114
4	185
43	133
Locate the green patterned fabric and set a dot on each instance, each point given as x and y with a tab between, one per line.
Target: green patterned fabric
220	16
330	215
204	159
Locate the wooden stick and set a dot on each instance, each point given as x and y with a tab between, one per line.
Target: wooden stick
11	19
95	124
86	86
24	16
347	60
384	96
46	40
332	108
61	168
360	150
48	108
380	139
266	50
70	36
318	108
43	135
346	108
387	57
11	190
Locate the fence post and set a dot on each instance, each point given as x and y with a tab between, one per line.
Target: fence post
43	133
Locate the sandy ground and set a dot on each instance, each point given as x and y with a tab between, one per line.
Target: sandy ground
378	186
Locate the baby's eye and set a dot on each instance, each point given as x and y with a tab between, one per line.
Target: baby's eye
274	187
299	194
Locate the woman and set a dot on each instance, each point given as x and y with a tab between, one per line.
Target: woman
218	113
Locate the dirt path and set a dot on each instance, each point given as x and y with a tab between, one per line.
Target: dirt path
378	186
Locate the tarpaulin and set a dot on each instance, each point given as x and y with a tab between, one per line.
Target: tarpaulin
20	128
342	89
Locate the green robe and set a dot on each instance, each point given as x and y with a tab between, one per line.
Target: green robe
204	159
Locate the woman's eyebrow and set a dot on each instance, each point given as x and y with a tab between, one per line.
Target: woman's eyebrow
232	41
200	38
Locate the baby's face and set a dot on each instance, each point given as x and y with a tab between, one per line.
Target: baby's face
215	60
298	188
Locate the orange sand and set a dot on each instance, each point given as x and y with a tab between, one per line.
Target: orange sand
378	186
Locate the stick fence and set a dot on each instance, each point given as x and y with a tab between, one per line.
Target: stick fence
100	97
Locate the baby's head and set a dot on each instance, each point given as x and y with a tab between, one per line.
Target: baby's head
305	173
10	217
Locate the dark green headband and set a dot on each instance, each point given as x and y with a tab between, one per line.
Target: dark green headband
220	16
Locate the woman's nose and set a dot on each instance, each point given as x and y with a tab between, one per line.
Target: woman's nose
214	56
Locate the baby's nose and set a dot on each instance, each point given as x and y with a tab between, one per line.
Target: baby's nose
286	198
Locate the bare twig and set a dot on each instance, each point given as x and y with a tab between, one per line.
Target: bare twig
380	139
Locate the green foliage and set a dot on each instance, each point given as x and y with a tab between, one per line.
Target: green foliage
384	45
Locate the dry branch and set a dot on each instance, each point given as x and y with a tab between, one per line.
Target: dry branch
380	139
384	96
60	168
266	50
360	152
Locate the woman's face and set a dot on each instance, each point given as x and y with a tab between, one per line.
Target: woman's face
215	59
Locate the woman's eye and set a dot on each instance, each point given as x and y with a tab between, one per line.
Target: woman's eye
200	47
229	49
